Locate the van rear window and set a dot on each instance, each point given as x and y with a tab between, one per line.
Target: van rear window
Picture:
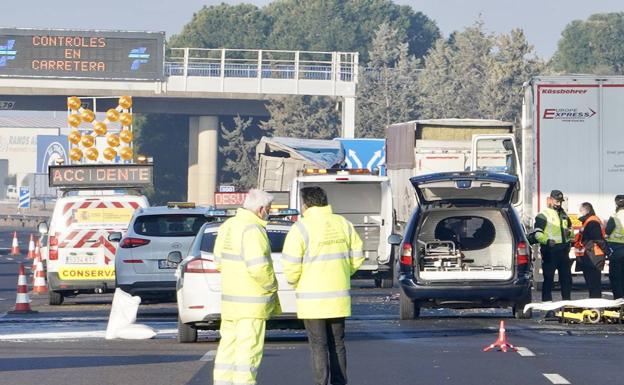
169	225
468	232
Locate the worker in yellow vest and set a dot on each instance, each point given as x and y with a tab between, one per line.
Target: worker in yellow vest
320	254
615	239
248	290
554	233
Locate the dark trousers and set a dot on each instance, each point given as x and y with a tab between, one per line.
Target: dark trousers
593	280
556	259
329	355
616	270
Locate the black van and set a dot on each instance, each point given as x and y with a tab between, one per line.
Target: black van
464	246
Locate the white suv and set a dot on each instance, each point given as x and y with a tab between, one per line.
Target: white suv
199	283
141	265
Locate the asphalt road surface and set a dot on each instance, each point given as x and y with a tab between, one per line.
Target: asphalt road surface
65	345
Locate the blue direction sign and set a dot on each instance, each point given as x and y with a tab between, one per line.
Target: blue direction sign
24	198
365	153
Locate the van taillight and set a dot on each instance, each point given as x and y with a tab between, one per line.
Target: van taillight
130	243
53	248
522	253
406	255
201	265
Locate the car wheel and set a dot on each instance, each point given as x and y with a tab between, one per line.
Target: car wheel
409	309
55	298
186	333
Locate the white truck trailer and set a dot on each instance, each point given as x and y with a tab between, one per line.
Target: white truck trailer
573	141
445	145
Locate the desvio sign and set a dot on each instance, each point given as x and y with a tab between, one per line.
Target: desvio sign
229	199
87	176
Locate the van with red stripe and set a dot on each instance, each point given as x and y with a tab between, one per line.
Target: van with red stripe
79	256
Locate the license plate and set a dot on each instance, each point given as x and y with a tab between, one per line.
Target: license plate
81	259
164	264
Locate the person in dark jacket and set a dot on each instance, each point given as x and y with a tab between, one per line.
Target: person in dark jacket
615	238
591	231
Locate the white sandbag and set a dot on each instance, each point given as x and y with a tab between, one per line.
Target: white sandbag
123	312
588	303
135	332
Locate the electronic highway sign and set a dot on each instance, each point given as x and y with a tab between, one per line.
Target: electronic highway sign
114	55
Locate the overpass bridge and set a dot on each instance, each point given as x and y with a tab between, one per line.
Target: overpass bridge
205	83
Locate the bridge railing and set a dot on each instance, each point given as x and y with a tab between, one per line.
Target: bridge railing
264	64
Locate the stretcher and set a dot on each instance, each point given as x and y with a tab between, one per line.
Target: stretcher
592	311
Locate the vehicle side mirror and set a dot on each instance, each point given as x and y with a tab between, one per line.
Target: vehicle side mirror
174	257
115	236
43	228
395	239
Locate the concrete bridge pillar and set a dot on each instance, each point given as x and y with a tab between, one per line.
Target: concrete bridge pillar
348	117
203	153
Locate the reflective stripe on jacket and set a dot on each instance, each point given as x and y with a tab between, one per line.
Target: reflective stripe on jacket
554	227
320	254
617	235
243	255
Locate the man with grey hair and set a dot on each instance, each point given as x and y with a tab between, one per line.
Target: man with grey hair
248	290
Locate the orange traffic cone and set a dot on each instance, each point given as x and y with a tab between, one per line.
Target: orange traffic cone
31	248
15	245
22	302
39	282
501	342
38	248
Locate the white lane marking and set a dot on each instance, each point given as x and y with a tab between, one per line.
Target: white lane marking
556	378
209	356
70	335
10	259
524	352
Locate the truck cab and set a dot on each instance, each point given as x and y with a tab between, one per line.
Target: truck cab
366	201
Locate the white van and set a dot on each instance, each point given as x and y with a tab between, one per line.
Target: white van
79	256
366	201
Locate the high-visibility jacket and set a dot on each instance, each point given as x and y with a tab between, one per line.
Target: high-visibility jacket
555	228
579	246
617	235
320	253
243	255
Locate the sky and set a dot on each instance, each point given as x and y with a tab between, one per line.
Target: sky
542	20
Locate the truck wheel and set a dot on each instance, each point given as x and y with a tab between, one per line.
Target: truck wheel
186	333
387	282
55	298
409	309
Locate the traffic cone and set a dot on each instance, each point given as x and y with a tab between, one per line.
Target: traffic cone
39	283
15	245
22	302
38	248
31	248
501	342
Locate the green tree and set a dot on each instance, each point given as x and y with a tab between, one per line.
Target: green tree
454	75
225	26
387	92
310	117
510	65
239	151
341	25
592	46
477	75
165	138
